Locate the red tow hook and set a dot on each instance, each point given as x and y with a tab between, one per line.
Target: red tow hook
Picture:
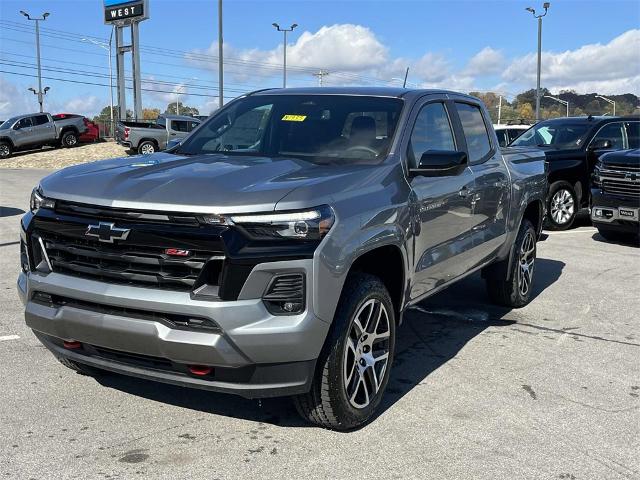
72	345
200	370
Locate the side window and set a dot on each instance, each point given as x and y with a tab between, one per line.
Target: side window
503	139
612	131
40	120
475	131
179	126
633	134
515	133
432	131
24	123
193	125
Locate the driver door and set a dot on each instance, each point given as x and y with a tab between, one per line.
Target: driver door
441	208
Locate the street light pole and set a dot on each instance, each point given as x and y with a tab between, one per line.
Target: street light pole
107	47
285	30
559	100
608	100
40	93
220	66
546	6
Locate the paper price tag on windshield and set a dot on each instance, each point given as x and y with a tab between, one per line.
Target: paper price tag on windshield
294	118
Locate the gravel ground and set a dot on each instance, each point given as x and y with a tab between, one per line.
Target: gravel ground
57	158
549	391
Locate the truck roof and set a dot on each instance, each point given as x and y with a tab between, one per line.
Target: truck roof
392	92
179	117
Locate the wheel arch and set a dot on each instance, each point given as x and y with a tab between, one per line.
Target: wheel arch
8	140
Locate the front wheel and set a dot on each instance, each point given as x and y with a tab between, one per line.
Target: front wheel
353	369
515	290
562	205
5	150
147	148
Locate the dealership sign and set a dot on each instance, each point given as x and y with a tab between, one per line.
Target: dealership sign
123	12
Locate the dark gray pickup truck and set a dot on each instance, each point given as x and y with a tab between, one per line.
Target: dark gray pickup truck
275	250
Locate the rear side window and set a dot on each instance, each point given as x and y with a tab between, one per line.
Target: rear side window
180	126
633	134
40	120
475	131
613	132
432	131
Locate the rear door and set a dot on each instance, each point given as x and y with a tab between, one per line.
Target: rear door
491	196
43	129
442	205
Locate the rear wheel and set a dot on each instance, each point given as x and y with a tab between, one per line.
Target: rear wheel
5	149
515	290
562	205
69	139
353	370
147	148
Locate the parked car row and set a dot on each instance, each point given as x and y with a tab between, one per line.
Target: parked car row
36	130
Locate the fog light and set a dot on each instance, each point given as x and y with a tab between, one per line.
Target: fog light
597	212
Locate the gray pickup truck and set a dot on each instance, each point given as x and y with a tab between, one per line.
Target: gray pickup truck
36	130
151	137
275	250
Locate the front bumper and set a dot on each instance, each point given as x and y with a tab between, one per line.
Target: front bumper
618	213
253	354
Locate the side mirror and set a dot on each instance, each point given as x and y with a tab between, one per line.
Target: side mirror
601	144
16	126
440	163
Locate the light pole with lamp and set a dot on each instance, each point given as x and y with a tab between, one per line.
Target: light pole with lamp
608	100
559	100
40	93
178	92
107	47
285	30
546	6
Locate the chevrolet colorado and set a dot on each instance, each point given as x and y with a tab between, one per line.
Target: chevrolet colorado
37	130
275	250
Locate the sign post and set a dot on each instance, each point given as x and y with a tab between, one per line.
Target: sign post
122	14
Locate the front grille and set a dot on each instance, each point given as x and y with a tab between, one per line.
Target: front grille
125	263
623	167
114	214
621	187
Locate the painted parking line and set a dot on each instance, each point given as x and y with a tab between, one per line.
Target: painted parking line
587	230
8	337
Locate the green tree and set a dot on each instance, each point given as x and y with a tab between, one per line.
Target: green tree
183	109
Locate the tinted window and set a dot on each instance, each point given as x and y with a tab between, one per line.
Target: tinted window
40	120
432	131
560	135
179	125
317	128
613	132
502	137
475	131
515	133
633	134
24	123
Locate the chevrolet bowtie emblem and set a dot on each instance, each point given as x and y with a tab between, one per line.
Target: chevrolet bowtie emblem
107	232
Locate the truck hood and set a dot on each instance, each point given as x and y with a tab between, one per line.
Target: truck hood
199	184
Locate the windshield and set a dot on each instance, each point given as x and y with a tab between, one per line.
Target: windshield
316	128
7	124
560	135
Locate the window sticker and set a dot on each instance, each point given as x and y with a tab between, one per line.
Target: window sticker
294	118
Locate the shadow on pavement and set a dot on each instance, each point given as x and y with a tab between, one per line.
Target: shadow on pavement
627	240
10	211
431	335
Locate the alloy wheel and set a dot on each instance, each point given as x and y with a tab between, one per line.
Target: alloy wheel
71	140
147	149
562	206
4	151
366	353
526	263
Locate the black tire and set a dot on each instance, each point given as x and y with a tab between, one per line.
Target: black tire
69	139
514	290
327	404
147	148
5	150
562	206
80	368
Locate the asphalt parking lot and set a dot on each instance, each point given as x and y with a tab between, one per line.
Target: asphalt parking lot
550	391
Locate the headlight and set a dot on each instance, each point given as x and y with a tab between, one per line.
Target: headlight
301	225
596	175
38	201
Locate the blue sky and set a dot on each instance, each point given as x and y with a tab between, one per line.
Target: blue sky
462	45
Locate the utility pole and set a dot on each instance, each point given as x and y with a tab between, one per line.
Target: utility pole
285	30
608	100
39	93
320	75
107	47
406	75
559	100
499	109
220	52
546	6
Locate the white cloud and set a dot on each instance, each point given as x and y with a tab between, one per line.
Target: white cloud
486	62
85	105
596	67
13	101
